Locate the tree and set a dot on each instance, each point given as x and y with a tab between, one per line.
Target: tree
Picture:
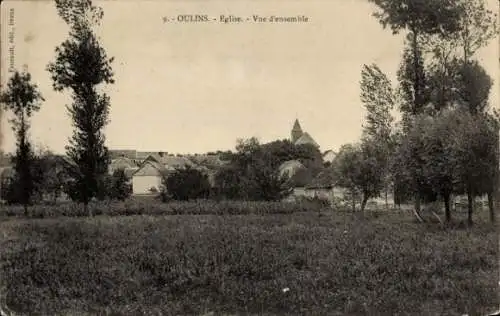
420	19
358	168
409	162
440	156
253	172
186	184
477	26
378	98
81	66
22	98
228	183
476	144
473	86
51	174
120	187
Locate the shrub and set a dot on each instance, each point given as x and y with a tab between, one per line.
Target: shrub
120	186
186	184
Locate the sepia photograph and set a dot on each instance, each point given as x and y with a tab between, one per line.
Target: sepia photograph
280	157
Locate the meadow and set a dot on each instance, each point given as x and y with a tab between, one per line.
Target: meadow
242	258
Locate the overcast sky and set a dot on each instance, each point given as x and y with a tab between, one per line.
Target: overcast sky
197	87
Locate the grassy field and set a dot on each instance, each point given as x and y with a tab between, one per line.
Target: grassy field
262	259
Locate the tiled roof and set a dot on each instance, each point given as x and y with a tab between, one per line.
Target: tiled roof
154	166
122	162
296	126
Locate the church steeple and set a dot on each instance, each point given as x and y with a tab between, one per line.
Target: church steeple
296	131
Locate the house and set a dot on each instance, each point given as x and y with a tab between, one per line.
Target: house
147	179
329	156
323	186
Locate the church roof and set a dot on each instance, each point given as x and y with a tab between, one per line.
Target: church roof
296	126
306	139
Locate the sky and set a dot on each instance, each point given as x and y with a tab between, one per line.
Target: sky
198	87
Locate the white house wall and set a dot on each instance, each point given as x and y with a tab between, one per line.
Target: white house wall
143	184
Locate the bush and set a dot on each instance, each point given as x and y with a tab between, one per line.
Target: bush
185	184
121	189
151	206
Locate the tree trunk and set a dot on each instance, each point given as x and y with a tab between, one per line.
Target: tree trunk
363	203
417	83
417	203
386	199
25	206
470	207
87	209
447	208
491	207
353	201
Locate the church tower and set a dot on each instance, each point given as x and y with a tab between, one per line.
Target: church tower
296	131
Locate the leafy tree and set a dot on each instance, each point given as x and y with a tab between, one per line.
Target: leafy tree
81	65
228	183
186	184
358	169
253	172
120	186
301	178
473	86
439	156
476	144
409	162
477	26
51	174
22	98
277	152
420	18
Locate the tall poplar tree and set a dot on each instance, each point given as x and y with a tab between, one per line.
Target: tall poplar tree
22	98
377	96
81	66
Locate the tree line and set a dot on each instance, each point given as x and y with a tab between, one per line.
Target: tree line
252	172
446	142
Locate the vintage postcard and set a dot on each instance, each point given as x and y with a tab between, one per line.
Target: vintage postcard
249	157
